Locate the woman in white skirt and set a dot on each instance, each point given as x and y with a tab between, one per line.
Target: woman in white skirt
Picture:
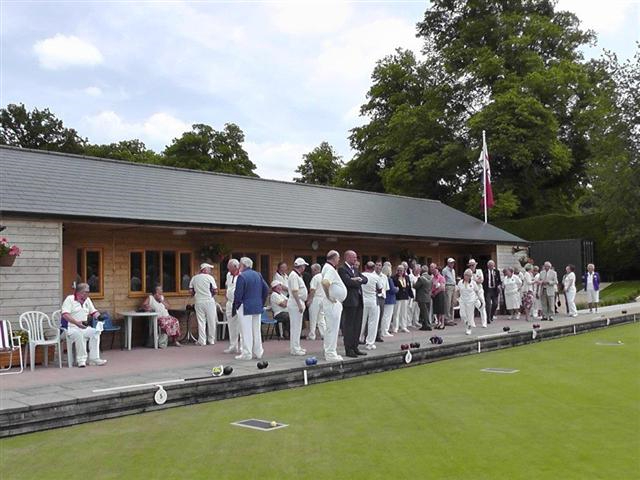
527	291
468	299
537	306
512	284
569	284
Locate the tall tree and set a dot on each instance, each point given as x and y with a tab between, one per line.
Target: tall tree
321	166
39	129
510	67
204	148
129	150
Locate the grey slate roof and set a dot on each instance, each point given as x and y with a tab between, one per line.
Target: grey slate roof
49	184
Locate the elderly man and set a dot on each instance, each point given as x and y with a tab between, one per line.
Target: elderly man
282	276
76	309
380	298
547	290
249	297
335	292
370	312
591	282
314	302
296	306
414	309
478	277
449	274
233	267
423	286
353	304
279	301
203	288
491	286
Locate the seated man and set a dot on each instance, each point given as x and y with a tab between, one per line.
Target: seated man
279	306
76	309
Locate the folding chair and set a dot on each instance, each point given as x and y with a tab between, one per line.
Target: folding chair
9	344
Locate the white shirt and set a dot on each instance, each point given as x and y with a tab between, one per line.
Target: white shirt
478	277
527	283
296	283
590	281
511	284
337	289
316	286
449	275
384	281
369	289
77	310
569	281
201	285
158	307
284	281
468	291
231	286
276	299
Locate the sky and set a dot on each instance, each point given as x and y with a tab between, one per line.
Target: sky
290	74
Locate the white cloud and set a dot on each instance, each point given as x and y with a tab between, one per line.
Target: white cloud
93	91
62	51
156	131
603	17
310	16
277	161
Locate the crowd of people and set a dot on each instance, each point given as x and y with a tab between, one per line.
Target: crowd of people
367	306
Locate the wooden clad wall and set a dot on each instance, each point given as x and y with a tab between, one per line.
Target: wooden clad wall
34	280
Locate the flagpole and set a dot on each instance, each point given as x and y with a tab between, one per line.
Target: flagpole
484	176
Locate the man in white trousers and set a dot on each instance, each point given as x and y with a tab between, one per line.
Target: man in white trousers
76	309
314	302
449	274
233	267
203	288
248	301
370	311
296	305
335	292
478	277
414	309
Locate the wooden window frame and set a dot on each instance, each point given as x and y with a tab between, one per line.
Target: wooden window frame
142	251
83	267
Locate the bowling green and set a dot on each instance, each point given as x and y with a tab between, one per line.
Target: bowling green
571	412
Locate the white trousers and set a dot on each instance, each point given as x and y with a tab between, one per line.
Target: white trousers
387	314
400	315
332	314
571	300
370	317
251	334
207	319
78	337
295	325
482	309
593	296
466	314
234	328
316	318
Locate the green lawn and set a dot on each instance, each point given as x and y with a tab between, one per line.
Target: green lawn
617	293
572	412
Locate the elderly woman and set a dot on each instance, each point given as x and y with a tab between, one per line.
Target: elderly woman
512	285
527	291
401	311
168	324
537	306
467	292
389	302
437	294
569	284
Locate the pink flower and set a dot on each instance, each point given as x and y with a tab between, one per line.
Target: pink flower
15	251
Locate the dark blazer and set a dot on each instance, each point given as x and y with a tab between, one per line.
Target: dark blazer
251	292
354	292
403	293
485	282
423	288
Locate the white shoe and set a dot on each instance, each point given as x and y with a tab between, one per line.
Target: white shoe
231	350
370	347
82	365
298	353
484	326
405	330
97	362
395	330
334	358
574	315
242	357
467	332
311	338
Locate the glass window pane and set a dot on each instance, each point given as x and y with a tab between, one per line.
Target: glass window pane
135	267
223	272
265	267
185	270
169	271
254	259
321	259
79	266
93	270
152	264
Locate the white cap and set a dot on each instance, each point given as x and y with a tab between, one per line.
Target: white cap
450	260
472	262
275	283
299	262
205	265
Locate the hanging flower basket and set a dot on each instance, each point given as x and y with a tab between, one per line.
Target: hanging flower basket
8	253
7	260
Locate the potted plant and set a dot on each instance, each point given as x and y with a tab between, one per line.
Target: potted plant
8	253
214	253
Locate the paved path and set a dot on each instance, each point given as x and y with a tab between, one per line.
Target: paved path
144	365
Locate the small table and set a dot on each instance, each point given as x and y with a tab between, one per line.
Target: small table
153	324
186	314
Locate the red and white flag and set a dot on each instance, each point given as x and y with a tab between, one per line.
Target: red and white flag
487	192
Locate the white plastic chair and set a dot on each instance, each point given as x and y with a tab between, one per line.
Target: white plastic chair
56	319
223	324
34	322
10	344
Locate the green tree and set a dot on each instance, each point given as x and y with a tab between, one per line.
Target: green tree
512	68
39	129
129	150
204	148
321	166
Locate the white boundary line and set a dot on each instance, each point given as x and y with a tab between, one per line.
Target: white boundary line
137	385
278	426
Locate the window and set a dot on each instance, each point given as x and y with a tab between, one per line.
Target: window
89	269
258	267
265	268
169	268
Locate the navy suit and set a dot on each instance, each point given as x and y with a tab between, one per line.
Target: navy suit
352	307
